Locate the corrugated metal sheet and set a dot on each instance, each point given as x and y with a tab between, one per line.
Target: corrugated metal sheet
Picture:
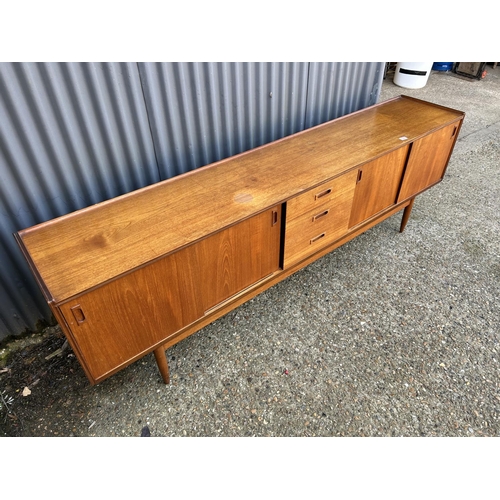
201	113
336	89
73	134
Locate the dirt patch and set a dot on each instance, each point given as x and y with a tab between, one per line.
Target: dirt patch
35	386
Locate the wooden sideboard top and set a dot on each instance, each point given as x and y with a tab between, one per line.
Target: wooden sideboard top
83	249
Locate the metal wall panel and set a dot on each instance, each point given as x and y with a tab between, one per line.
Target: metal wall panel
336	89
201	113
73	134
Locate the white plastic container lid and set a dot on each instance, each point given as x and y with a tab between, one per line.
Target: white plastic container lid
412	75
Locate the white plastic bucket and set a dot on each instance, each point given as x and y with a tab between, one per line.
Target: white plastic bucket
412	75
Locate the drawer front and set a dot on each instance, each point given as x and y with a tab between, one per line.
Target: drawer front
322	195
326	222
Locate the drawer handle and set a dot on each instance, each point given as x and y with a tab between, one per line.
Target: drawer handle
78	314
322	214
316	238
323	193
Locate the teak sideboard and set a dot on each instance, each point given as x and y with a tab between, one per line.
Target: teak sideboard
138	273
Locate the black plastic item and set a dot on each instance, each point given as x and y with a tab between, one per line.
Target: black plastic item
412	72
473	70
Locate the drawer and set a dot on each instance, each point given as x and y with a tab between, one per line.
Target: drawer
320	196
308	232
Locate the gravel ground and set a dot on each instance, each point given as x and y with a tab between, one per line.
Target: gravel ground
390	335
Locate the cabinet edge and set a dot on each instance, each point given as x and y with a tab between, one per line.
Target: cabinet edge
34	270
435	105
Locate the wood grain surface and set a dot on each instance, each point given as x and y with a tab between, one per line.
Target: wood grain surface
83	249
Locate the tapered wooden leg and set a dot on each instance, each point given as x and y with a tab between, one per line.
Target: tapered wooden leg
161	361
406	215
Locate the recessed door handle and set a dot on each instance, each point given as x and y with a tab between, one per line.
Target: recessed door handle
274	218
78	314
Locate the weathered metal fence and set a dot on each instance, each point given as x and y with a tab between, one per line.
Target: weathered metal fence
74	134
